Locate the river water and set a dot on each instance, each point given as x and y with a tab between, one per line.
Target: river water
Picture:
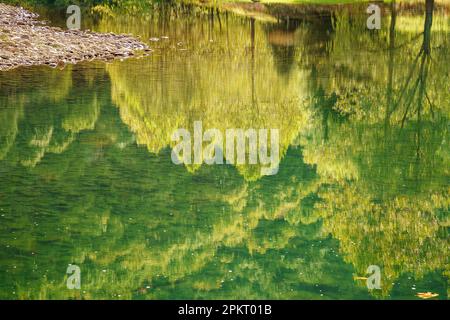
86	175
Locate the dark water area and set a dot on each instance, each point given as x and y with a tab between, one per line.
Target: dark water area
86	175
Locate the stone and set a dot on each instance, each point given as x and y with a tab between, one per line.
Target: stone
26	41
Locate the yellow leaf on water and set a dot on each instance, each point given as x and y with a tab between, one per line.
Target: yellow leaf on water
426	295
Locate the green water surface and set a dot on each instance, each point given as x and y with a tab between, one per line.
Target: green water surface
86	176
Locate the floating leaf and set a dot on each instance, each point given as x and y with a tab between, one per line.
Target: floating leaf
426	295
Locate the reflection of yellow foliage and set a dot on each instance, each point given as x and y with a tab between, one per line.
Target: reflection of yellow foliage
414	24
82	117
333	158
54	130
126	246
224	92
400	236
9	118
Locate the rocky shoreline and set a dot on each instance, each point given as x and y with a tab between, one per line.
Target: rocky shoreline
27	41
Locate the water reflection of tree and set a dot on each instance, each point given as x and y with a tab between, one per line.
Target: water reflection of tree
387	167
50	114
408	93
366	185
130	219
282	41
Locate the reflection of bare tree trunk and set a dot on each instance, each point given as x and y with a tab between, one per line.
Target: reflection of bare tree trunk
422	89
211	17
426	47
228	34
391	65
252	36
325	125
218	18
211	24
427	28
390	84
423	72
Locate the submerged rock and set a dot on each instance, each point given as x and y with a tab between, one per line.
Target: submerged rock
26	41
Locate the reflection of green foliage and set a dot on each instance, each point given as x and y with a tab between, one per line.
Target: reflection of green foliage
404	235
386	156
152	237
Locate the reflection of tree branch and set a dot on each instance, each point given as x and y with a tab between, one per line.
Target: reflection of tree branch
411	98
431	104
422	78
424	68
408	42
425	53
423	82
417	37
403	90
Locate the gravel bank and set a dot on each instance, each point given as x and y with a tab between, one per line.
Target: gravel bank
26	41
